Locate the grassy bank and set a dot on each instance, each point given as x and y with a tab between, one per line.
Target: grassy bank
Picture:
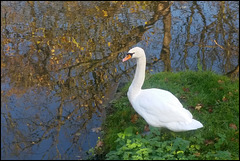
211	98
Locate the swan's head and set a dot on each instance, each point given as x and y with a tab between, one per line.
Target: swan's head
136	53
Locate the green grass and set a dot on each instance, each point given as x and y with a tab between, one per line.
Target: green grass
218	139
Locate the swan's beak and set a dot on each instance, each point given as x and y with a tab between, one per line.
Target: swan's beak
129	56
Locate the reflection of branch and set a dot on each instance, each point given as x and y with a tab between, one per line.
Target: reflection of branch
205	46
168	6
218	44
160	11
234	72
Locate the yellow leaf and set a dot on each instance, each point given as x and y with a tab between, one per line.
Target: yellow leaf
132	10
109	44
82	48
145	23
105	13
198	107
53	50
97	8
74	41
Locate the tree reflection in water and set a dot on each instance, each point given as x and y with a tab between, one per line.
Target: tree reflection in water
61	63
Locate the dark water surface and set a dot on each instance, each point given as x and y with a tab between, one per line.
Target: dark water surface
61	63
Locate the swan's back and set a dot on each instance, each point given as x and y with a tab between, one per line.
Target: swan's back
160	108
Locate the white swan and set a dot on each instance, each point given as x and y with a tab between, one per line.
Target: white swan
160	108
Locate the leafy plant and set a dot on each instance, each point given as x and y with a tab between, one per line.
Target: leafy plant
151	146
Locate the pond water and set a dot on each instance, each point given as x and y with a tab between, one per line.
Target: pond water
61	63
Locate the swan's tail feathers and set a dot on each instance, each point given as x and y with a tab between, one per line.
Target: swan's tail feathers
183	126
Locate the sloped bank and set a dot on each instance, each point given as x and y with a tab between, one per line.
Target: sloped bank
212	99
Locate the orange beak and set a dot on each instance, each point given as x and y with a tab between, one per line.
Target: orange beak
129	56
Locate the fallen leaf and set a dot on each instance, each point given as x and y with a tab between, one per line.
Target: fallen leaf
197	154
233	126
210	110
134	118
198	107
208	142
185	89
183	97
220	81
224	99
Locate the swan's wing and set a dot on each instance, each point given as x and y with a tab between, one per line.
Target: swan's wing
160	106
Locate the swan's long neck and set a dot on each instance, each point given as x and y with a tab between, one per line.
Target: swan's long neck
139	77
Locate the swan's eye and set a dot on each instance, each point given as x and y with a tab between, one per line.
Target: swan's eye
130	54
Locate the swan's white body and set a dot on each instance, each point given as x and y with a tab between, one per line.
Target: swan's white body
160	108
